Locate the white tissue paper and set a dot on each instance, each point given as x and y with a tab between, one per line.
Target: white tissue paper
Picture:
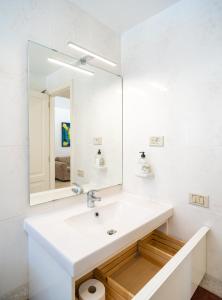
92	289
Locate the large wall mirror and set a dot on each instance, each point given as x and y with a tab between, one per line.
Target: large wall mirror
75	125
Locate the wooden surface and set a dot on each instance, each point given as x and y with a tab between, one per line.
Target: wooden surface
128	271
202	294
135	274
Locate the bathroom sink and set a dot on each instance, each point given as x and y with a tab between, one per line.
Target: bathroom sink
109	220
79	238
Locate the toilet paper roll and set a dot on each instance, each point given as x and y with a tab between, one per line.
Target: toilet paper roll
92	289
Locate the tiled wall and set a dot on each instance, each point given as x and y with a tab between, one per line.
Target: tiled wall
51	23
172	68
173	87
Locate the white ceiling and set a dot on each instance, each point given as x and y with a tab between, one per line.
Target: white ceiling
121	15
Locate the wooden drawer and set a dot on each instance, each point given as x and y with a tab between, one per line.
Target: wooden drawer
141	271
127	272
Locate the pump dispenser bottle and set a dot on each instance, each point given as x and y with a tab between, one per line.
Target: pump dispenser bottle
99	160
143	167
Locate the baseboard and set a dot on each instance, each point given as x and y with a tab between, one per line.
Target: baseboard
212	284
20	293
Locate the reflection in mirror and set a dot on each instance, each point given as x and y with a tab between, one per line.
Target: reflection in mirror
75	123
49	112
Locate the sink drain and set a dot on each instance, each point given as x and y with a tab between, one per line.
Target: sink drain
96	214
111	231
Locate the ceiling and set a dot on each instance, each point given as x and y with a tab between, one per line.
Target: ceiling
121	15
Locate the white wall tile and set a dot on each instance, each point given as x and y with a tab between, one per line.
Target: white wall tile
51	23
172	67
14	110
13	255
14	181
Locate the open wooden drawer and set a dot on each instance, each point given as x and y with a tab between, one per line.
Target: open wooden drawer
157	267
125	274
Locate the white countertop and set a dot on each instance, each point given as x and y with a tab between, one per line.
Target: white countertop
77	254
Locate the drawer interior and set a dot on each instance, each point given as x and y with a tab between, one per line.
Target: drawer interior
127	272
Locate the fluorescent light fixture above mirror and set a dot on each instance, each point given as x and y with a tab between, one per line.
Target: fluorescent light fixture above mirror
87	52
63	64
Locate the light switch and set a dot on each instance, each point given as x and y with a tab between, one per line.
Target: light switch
80	173
156	141
97	140
199	200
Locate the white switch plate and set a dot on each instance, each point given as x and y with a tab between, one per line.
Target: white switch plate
156	141
97	140
199	200
80	173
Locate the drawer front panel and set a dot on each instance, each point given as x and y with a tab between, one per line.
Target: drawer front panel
179	278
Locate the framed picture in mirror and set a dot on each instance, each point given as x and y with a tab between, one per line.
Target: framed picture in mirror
65	126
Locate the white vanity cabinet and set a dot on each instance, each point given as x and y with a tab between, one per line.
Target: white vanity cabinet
177	279
157	265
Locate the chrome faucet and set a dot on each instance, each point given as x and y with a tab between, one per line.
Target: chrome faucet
91	198
77	189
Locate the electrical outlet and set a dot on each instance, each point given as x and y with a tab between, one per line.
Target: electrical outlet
199	200
80	173
97	140
156	141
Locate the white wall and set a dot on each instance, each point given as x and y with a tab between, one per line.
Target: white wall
62	114
172	68
51	23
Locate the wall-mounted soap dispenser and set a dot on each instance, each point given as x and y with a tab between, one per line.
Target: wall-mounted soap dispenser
143	166
99	160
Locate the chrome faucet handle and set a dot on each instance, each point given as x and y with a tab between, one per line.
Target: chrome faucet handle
91	193
91	198
77	189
